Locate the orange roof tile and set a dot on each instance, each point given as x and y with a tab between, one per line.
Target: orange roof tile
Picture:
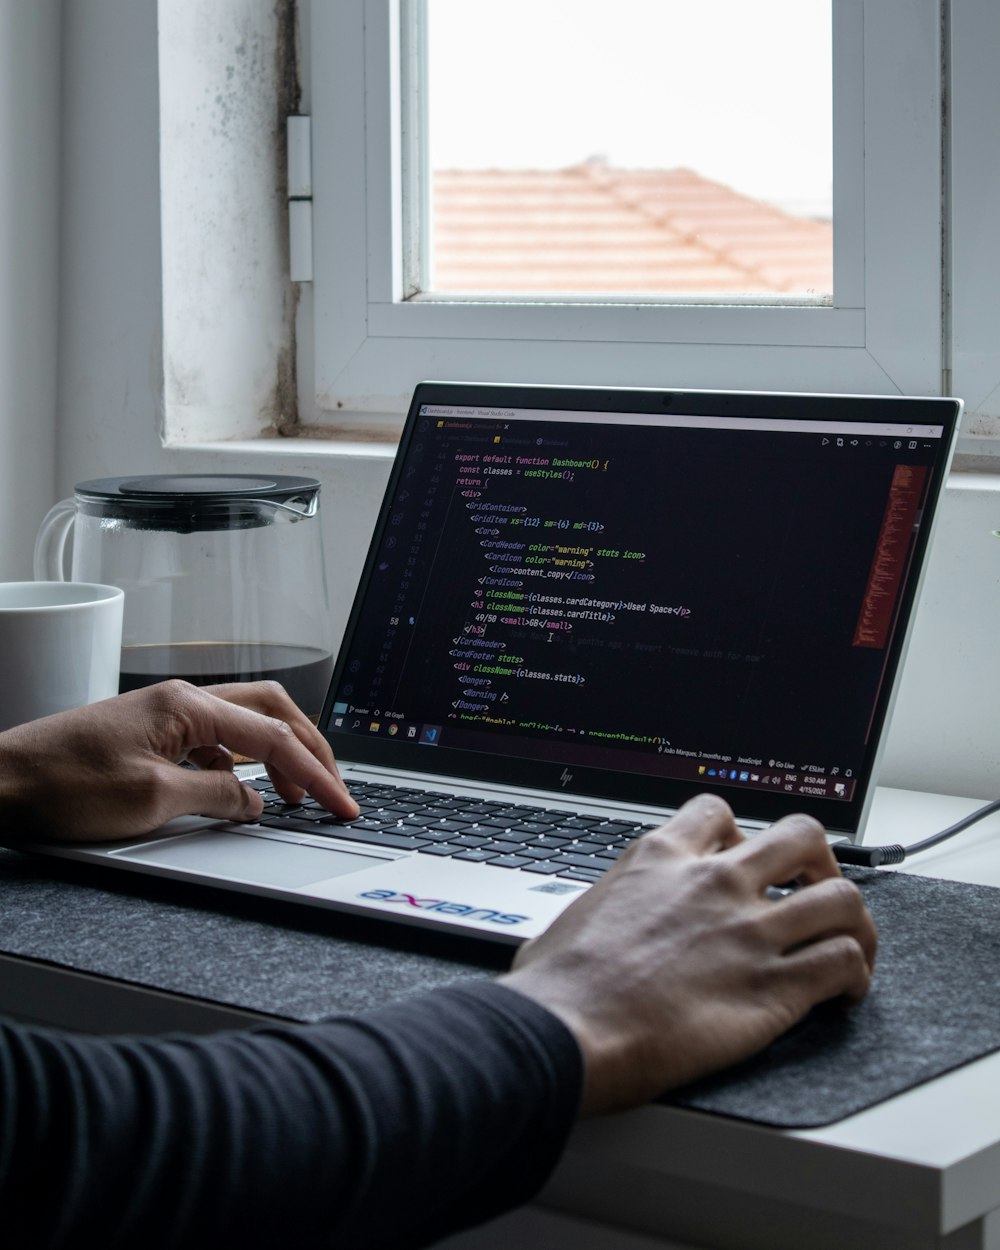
593	228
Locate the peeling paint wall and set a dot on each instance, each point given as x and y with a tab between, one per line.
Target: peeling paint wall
227	80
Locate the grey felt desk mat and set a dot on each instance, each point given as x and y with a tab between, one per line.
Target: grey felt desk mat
284	960
934	1004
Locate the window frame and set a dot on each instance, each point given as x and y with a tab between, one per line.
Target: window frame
972	279
882	333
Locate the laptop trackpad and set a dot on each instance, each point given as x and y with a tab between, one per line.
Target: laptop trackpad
243	857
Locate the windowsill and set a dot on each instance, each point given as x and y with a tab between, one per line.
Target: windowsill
978	477
376	436
977	463
361	435
334	447
983	474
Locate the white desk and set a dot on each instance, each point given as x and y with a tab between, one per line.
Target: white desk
921	1170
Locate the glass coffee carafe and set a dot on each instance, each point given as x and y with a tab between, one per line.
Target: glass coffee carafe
223	576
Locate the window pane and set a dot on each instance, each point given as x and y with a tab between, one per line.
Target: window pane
654	147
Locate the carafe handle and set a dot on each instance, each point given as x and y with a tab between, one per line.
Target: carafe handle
50	545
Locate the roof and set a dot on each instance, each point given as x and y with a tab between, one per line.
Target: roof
595	228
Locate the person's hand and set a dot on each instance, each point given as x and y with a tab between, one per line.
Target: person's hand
679	962
109	770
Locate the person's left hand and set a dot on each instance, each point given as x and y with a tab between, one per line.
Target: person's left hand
110	770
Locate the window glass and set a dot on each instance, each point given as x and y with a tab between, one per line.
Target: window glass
650	147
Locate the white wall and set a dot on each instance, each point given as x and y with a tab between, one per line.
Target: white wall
29	198
111	375
110	358
946	728
111	396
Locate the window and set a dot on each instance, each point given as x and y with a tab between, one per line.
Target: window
655	157
880	330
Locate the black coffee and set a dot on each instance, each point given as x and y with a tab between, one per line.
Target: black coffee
304	671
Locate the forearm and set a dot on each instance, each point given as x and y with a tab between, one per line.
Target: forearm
390	1130
19	785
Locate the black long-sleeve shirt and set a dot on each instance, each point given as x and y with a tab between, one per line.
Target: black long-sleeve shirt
391	1129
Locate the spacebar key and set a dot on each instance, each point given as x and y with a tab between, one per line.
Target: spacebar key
374	837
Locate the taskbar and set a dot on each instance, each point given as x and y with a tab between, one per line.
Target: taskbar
808	781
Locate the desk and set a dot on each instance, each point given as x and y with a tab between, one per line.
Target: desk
921	1170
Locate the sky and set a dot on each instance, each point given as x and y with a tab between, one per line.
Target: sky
739	90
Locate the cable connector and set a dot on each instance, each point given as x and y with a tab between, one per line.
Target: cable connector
868	856
881	856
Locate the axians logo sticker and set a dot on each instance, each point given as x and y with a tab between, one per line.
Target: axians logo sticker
444	907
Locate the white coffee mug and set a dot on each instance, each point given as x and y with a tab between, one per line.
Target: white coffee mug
60	647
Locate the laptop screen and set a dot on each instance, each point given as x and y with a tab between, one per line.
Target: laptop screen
643	594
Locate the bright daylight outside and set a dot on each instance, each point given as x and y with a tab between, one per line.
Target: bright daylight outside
663	149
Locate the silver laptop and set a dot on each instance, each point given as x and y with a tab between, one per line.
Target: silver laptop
580	608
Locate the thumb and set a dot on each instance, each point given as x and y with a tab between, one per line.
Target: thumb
211	793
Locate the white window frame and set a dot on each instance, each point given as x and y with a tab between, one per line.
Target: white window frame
882	334
972	340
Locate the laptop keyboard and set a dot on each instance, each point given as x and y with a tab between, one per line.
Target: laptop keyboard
534	839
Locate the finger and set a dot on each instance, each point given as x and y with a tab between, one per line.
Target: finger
211	793
793	849
836	967
703	826
294	770
212	757
821	911
274	742
272	699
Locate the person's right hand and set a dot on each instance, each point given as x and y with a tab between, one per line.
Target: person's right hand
679	963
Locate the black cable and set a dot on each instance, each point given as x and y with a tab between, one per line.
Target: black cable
880	856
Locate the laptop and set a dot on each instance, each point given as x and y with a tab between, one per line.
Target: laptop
581	607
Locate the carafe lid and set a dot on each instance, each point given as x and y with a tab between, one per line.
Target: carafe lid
198	501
